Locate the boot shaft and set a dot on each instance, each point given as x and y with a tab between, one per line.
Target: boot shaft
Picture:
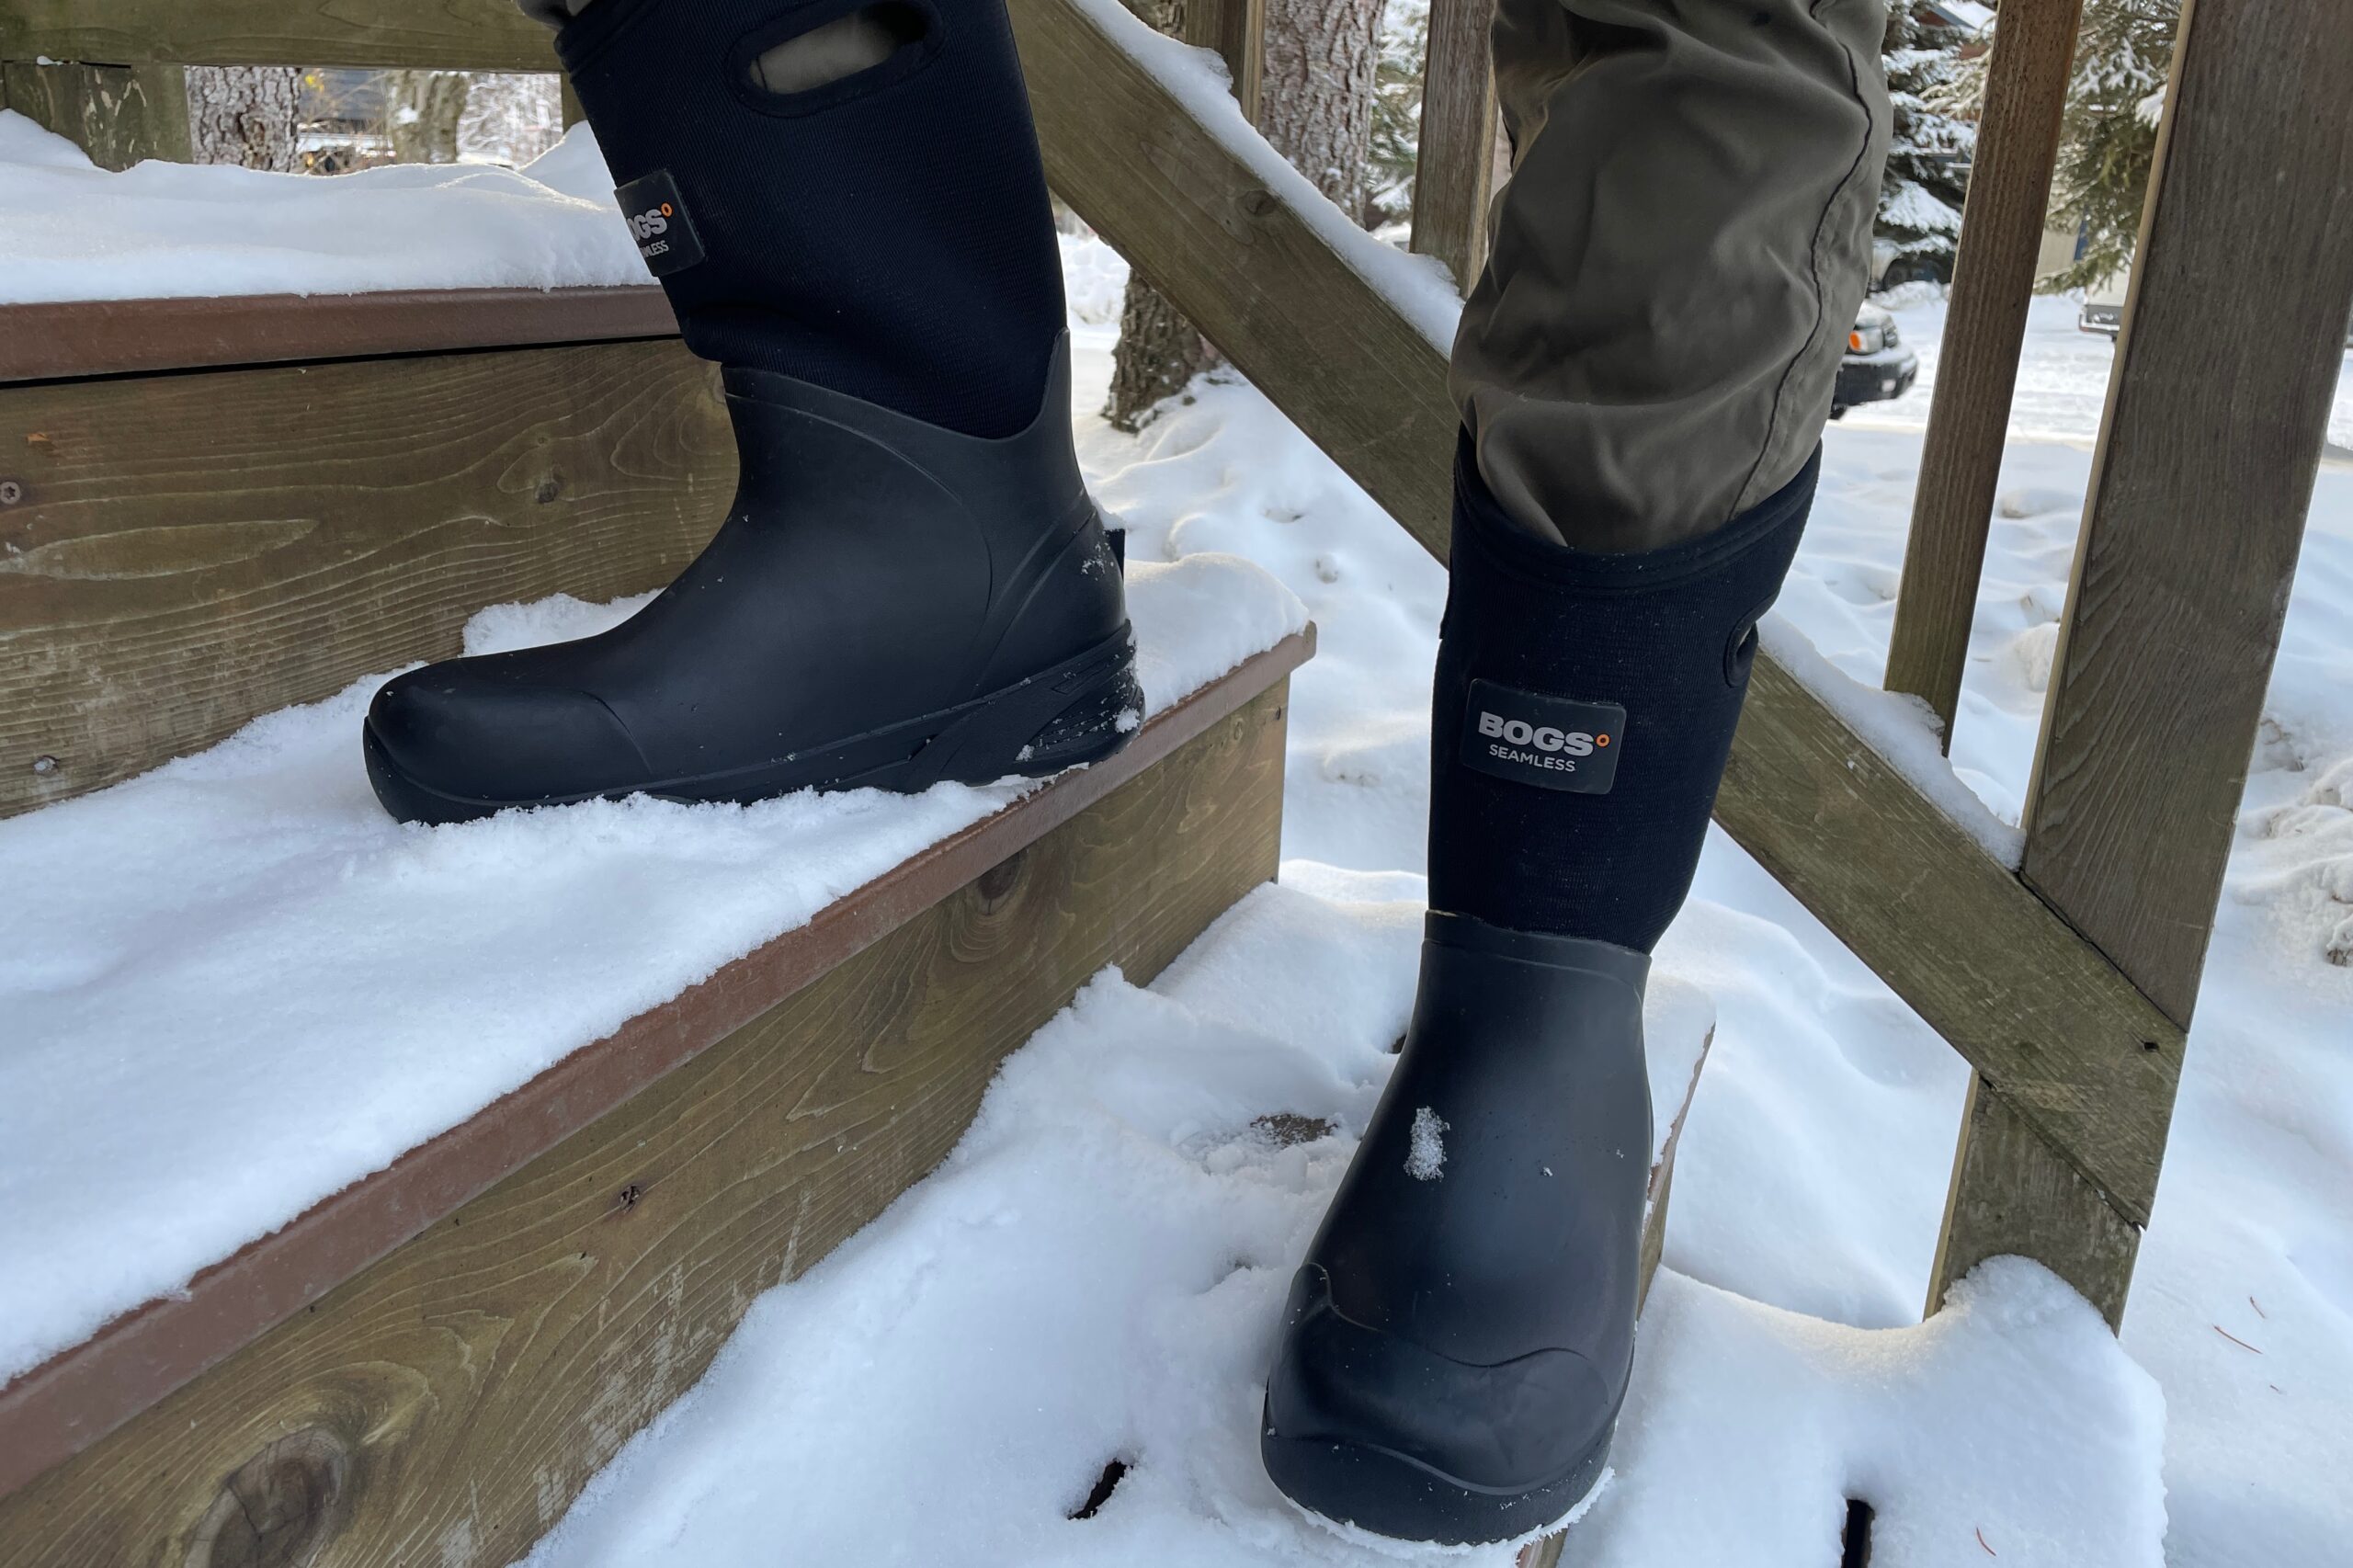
886	235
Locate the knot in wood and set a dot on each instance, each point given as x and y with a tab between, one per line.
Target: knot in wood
282	1508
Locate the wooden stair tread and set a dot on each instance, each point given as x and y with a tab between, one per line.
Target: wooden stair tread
54	1410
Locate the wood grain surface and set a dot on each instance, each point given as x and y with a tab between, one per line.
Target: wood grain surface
1251	273
189	551
1977	366
1454	169
451	35
76	338
55	1409
445	1404
2233	337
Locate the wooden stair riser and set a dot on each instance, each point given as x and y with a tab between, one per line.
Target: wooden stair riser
189	551
447	1403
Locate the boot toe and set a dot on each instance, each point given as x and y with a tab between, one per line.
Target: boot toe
1368	1427
463	739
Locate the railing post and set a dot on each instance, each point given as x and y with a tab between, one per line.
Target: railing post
2208	453
119	114
1977	368
1236	30
1454	173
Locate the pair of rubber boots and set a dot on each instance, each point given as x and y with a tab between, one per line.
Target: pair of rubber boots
911	585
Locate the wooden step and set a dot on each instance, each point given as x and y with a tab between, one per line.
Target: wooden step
428	1366
78	339
234	506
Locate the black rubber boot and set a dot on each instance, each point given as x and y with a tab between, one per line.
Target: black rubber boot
912	584
1459	1336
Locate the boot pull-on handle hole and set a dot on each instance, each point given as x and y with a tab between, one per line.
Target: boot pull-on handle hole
814	65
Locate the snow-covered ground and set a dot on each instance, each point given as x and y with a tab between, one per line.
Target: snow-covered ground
2063	376
1095	1275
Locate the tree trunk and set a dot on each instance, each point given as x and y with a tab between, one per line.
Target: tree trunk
1316	108
244	114
1159	353
1159	350
1316	105
510	117
422	110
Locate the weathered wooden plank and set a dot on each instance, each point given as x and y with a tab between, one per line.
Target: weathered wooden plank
2088	1060
75	338
187	552
118	114
454	35
2011	1193
1961	457
1236	30
1454	169
1987	963
447	1403
2207	455
54	1411
1248	271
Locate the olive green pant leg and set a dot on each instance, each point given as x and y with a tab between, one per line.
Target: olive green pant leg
1676	260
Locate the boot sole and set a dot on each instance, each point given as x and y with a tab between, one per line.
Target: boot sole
1080	710
1372	1488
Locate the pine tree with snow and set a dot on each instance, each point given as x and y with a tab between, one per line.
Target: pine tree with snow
1926	177
2109	140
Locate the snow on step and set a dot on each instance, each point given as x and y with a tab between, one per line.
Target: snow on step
1099	1271
234	986
159	230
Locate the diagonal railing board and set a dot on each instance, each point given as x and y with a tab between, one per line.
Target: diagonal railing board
2085	1060
1977	365
2208	453
2074	1069
1250	272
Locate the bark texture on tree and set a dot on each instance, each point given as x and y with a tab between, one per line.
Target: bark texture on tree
1315	108
244	114
422	110
1316	104
1160	351
510	117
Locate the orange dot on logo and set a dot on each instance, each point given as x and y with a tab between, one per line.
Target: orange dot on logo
1601	740
666	209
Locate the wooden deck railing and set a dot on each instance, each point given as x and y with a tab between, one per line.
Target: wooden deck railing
2069	987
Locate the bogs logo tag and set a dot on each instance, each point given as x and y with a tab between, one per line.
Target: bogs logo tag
1549	742
657	218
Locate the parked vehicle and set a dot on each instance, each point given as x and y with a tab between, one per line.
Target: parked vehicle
2103	307
1877	366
